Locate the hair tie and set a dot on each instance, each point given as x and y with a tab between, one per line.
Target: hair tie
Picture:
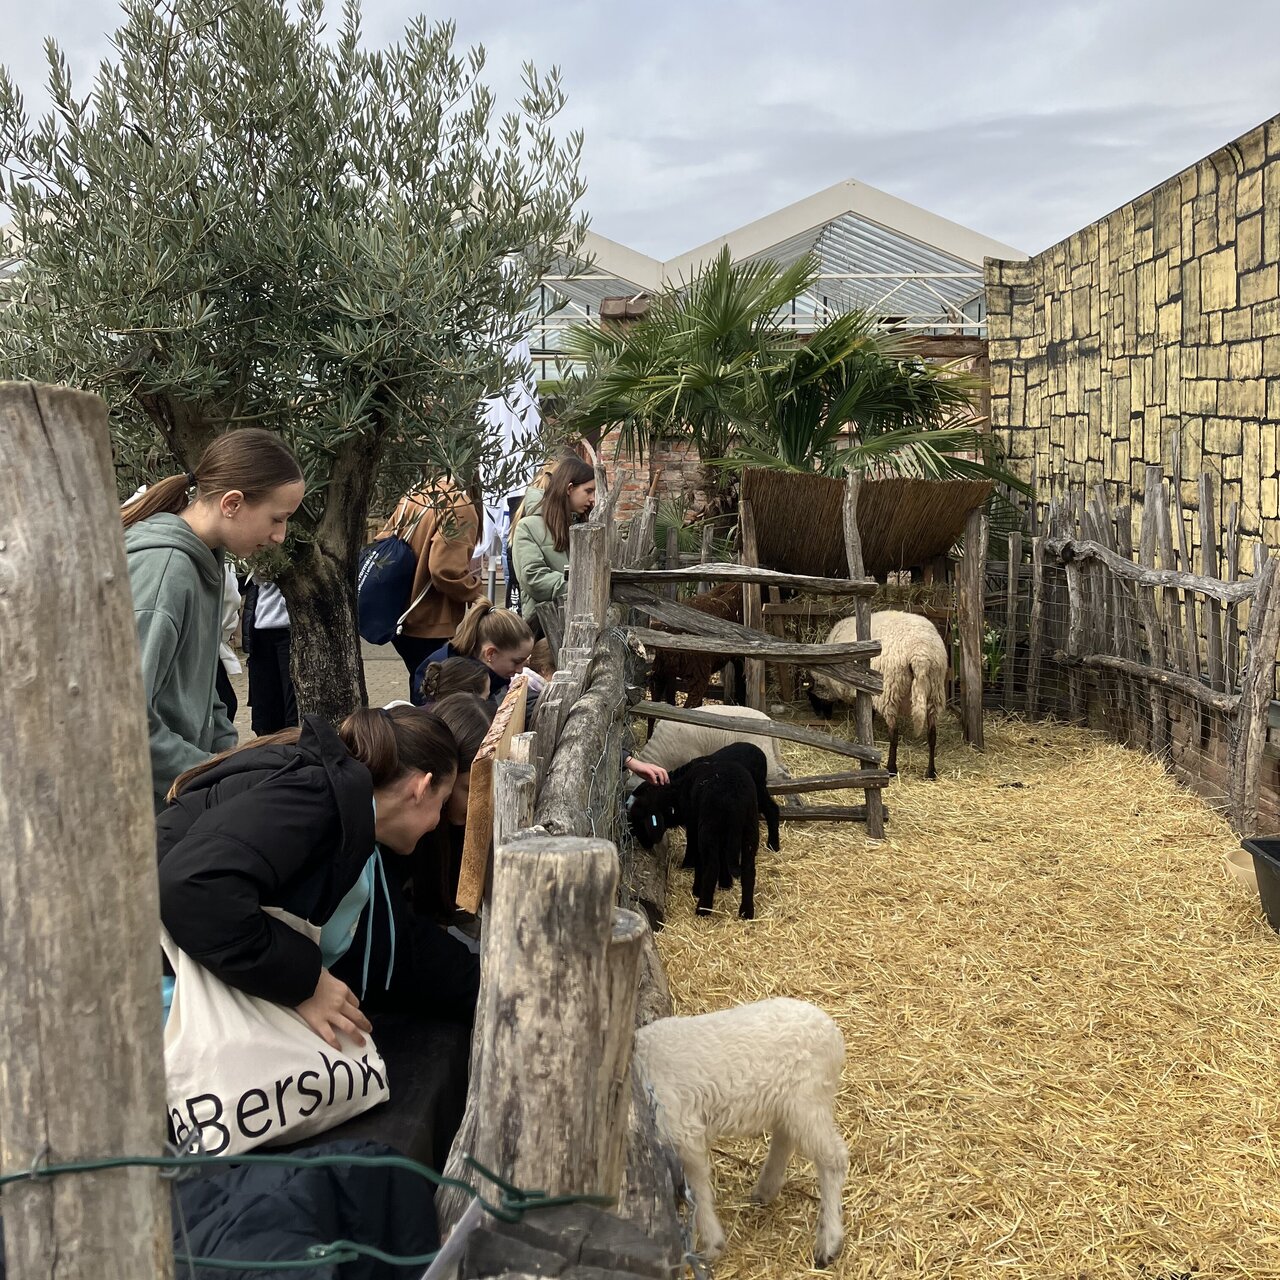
191	479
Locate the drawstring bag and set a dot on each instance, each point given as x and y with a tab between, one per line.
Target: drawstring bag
384	580
245	1072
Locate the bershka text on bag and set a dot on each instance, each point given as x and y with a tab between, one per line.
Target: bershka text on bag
256	1112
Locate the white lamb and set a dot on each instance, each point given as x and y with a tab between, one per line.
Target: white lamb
672	744
913	661
771	1067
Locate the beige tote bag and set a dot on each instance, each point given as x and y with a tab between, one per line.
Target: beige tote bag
245	1072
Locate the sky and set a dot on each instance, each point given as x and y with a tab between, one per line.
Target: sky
1022	120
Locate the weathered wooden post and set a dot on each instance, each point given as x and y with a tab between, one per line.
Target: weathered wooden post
556	1018
1257	685
514	784
862	611
588	573
971	603
81	1061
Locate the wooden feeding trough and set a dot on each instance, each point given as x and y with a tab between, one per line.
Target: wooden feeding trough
797	523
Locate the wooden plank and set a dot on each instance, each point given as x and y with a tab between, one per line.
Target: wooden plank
1153	503
742	573
759	728
1210	570
708	550
970	605
1086	549
803	609
478	836
776	650
1178	519
1076	619
1175	630
81	1061
1226	702
1125	595
1231	632
785	676
753	668
1257	689
874	805
854	778
835	812
685	617
1011	616
551	619
672	558
1035	626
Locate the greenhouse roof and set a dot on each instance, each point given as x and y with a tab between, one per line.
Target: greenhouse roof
875	252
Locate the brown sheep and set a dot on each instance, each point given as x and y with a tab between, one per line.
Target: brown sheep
723	602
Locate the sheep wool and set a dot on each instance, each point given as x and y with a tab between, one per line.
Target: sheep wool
913	664
769	1067
672	744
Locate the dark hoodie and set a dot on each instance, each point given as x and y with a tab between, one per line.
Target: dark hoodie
177	585
287	826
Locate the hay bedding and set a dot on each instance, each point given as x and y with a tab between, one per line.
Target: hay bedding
1062	1020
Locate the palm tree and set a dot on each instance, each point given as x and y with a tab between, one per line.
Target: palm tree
713	360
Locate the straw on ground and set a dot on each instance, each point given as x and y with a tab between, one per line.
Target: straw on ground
1062	1019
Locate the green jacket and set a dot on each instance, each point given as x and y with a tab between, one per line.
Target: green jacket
540	569
177	604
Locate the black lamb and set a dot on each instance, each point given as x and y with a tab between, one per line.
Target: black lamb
653	809
718	799
722	834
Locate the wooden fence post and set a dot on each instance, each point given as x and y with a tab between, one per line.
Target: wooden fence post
514	785
971	623
81	1062
1035	626
588	573
1011	616
1257	687
554	1080
752	610
862	612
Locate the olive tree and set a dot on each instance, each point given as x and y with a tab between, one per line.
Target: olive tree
251	220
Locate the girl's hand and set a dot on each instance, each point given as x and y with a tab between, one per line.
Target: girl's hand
333	1008
649	772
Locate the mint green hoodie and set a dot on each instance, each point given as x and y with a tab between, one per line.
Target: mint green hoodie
177	603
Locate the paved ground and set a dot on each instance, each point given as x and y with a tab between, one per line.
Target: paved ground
384	674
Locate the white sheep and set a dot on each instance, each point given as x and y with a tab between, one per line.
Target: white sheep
672	744
913	662
770	1067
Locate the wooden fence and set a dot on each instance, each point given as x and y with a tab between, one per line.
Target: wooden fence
1172	657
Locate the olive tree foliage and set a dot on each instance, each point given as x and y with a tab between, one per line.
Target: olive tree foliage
253	220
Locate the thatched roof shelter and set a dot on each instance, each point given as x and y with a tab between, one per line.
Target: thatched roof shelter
904	523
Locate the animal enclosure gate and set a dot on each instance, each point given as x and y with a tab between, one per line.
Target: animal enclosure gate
1169	660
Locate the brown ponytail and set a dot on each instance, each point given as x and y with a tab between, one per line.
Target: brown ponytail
389	742
454	675
484	623
251	460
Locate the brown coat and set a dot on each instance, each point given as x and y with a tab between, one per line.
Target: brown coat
444	540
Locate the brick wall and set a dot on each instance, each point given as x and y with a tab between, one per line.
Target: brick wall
680	466
1163	315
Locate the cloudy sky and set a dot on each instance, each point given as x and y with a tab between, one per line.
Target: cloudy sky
1023	119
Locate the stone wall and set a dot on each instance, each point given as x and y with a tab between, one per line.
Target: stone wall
1163	316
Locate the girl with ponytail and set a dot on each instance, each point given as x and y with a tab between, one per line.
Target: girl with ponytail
498	638
319	822
238	500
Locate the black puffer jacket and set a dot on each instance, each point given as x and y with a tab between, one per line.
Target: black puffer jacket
273	826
